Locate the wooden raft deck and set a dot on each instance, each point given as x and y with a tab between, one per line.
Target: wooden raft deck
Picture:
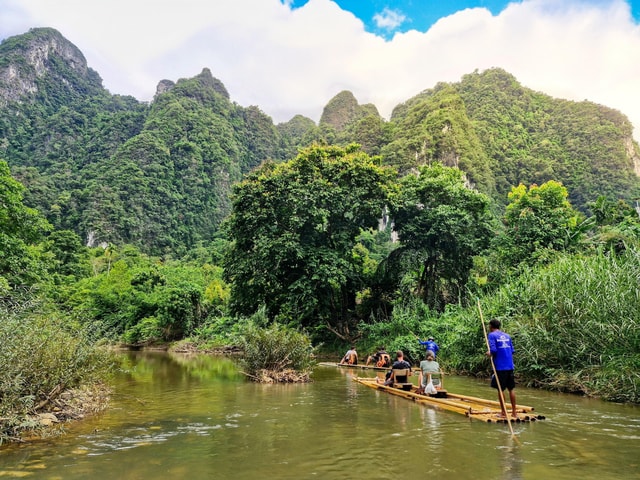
345	365
473	407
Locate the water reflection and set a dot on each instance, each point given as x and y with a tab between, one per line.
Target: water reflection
511	461
197	417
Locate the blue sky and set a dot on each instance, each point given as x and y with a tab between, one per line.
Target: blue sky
291	57
385	17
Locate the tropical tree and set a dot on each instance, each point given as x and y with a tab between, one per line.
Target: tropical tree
294	227
538	222
617	225
442	224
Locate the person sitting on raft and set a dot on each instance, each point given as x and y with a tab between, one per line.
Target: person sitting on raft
380	359
351	357
428	368
400	363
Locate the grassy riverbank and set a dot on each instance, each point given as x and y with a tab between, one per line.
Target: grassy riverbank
50	371
575	325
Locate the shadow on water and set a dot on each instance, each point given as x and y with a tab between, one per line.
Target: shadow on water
196	417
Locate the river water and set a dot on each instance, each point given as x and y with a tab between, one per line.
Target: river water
196	417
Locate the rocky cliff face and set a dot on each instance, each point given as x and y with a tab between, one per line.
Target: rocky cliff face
28	58
632	152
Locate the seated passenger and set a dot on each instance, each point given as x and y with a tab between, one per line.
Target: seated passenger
379	359
429	369
400	363
351	357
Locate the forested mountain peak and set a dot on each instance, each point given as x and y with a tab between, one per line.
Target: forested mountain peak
343	109
27	61
527	136
204	79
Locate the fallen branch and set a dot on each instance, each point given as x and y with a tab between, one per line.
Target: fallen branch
54	393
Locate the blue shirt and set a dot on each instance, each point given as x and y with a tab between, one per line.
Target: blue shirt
430	345
501	349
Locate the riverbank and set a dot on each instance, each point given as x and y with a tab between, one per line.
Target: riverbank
49	418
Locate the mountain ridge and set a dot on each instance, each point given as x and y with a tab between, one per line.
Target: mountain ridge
160	174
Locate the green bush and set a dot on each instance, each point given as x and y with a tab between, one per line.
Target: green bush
148	330
275	348
41	356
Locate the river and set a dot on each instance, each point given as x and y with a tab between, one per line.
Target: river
196	417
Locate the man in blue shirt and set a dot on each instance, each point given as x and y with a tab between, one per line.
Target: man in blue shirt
501	350
430	344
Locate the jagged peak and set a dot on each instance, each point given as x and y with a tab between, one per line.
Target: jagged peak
164	86
204	78
208	80
28	57
343	109
38	44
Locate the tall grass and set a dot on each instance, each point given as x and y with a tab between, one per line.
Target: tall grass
575	325
579	325
41	356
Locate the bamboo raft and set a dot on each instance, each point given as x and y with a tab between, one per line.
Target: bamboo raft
473	407
346	365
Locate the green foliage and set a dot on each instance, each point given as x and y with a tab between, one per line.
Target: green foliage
341	110
435	128
21	228
142	300
69	257
532	138
294	227
297	132
442	225
275	348
41	355
538	222
617	225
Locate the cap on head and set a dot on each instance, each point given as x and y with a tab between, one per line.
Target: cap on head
430	338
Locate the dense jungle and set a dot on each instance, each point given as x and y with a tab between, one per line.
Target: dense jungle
195	222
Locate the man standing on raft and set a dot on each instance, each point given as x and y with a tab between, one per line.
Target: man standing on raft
501	350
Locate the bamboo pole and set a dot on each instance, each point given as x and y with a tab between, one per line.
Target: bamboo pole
495	372
489	403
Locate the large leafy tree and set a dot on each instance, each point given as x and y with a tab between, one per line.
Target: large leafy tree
294	227
442	224
538	222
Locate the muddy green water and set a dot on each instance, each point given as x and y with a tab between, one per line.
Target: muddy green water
195	417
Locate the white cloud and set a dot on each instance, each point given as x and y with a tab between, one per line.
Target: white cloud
294	61
389	19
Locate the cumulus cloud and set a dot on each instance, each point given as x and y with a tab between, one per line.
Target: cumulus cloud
389	19
294	60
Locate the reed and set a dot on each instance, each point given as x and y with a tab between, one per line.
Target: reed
579	318
575	324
